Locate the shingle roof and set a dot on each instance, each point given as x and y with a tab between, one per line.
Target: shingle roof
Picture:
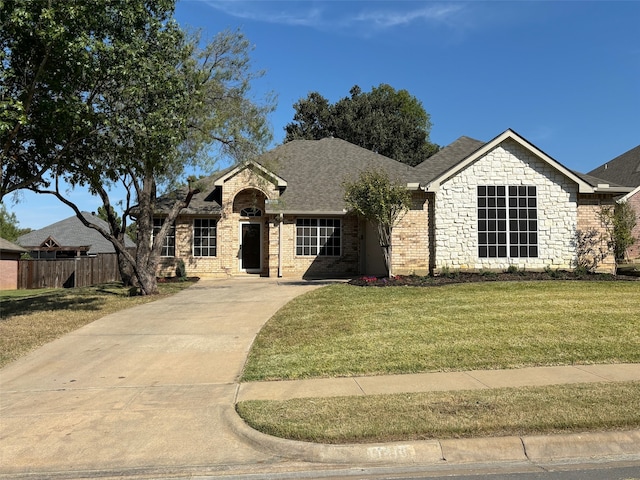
202	202
623	170
316	169
71	232
446	158
7	246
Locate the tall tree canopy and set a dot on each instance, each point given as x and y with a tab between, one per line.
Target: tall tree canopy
140	102
387	121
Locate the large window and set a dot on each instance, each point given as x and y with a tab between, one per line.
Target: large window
169	245
204	237
507	221
318	236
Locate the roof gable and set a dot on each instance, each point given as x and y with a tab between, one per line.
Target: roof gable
252	165
434	184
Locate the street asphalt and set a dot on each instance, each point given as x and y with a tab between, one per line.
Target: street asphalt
149	392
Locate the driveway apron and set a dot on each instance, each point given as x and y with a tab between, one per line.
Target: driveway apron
147	387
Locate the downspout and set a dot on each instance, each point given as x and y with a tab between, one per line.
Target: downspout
280	245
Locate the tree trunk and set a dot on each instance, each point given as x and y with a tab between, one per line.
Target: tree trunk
127	273
384	235
148	282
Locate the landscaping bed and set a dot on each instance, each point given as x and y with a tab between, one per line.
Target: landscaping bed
490	276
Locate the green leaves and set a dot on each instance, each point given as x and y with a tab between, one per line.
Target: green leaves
376	198
389	122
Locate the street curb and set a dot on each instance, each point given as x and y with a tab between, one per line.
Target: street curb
473	450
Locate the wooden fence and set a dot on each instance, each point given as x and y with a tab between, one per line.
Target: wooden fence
68	273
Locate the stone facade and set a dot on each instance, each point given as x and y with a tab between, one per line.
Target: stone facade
456	218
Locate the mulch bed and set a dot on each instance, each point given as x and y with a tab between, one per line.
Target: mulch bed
176	279
469	277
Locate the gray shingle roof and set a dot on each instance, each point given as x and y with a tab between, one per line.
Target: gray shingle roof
70	232
623	170
316	169
446	158
7	246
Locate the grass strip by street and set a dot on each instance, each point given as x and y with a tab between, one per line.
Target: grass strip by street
345	330
31	318
441	415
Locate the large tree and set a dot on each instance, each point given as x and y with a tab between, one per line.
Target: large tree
55	59
155	104
387	121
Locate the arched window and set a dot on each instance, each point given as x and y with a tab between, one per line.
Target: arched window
251	212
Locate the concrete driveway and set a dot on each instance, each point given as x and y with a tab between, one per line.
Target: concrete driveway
144	389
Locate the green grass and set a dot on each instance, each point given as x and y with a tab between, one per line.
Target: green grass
31	318
344	330
441	415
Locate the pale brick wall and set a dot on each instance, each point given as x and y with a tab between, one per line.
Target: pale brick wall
634	251
248	190
8	274
411	239
241	191
303	266
456	233
589	217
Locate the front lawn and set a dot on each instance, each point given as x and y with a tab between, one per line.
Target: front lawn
348	330
344	330
439	415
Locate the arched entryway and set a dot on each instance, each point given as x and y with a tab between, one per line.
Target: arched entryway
249	206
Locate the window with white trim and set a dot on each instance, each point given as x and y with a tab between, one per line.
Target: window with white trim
205	234
169	244
318	236
507	221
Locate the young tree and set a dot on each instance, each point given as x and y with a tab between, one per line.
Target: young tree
154	105
376	198
389	122
620	221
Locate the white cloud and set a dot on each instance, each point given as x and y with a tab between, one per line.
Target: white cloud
339	15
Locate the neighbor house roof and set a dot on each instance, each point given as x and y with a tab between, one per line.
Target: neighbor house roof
71	232
623	170
7	246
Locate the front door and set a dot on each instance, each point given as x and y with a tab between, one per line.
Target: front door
251	247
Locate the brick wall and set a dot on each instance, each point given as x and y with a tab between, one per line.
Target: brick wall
302	266
411	239
634	251
589	217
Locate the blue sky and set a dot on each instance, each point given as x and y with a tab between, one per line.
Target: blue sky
565	75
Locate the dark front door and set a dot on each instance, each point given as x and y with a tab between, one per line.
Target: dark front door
250	254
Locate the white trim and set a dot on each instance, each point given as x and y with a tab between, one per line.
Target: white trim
434	185
630	194
240	224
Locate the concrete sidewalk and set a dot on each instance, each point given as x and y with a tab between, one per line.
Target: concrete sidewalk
431	382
